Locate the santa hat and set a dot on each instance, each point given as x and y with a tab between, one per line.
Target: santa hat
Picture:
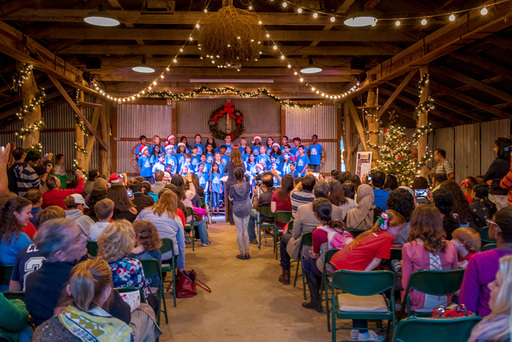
169	147
261	166
181	144
169	137
256	137
142	148
275	144
114	178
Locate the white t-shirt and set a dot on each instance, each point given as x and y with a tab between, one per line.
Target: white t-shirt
96	229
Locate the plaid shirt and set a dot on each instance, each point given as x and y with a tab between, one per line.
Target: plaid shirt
26	178
506	183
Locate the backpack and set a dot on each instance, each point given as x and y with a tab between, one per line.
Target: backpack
334	238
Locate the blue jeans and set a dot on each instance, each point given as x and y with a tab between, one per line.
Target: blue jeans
203	232
215	199
251	227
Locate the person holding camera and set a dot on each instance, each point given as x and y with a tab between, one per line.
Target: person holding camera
55	195
23	173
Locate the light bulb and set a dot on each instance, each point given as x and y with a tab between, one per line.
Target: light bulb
250	8
259	22
301	79
175	60
267	35
190	38
333	19
205	10
289	66
452	17
484	11
285	4
275	47
423	21
282	56
397	23
315	15
299	10
197	26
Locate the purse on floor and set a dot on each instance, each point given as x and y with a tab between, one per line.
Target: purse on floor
186	282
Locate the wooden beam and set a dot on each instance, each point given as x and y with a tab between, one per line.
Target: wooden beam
468	28
105	161
90	141
422	120
347	138
28	92
486	81
357	122
397	91
485	63
78	111
339	135
372	101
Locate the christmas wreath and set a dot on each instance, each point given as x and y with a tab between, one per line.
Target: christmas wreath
232	114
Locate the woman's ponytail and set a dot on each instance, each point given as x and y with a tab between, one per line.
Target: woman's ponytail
82	288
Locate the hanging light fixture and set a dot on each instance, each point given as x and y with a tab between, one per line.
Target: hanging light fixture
361	18
310	68
143	67
101	18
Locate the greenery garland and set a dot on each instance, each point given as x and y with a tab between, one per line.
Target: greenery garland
232	113
426	105
35	147
221	91
19	77
36	126
80	148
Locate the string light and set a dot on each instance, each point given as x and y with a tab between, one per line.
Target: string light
333	19
397	23
423	21
452	17
285	4
484	11
315	15
299	10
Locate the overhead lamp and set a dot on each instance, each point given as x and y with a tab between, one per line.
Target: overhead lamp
143	67
101	18
310	68
361	18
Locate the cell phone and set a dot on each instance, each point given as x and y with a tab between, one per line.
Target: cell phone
3	148
316	174
421	195
120	175
46	155
506	149
129	193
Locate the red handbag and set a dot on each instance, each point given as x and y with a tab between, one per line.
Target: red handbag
186	282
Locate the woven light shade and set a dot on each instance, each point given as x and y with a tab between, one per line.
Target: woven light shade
232	36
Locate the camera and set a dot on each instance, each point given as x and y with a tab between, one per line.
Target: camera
421	195
129	193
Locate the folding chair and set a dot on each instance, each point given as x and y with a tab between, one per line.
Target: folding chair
355	233
5	274
14	295
363	297
489	246
436	283
327	283
280	216
168	245
151	267
306	240
484	235
264	211
433	329
190	227
92	248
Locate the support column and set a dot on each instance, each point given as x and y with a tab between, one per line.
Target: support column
373	123
104	164
28	92
80	140
347	138
423	115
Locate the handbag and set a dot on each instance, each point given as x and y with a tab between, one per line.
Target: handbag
186	282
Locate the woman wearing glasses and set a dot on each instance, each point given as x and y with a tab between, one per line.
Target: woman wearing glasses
482	267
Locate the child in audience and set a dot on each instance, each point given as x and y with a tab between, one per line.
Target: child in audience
366	253
256	143
468	242
210	153
195	159
302	162
467	186
104	210
239	195
145	164
200	147
216	187
36	197
170	162
481	207
147	246
427	249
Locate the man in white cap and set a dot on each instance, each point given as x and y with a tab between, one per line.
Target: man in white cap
76	205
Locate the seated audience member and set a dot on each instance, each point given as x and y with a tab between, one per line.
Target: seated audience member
104	210
482	267
88	289
467	186
427	249
338	198
140	199
468	242
377	182
362	216
305	222
76	205
420	183
13	217
99	192
482	208
115	244
55	195
266	191
30	259
444	202
439	178
281	198
89	184
163	214
14	322
498	170
159	182
350	190
123	205
36	197
496	326
460	204
335	174
146	186
366	253
302	193
329	234
402	201
391	183
193	201
147	246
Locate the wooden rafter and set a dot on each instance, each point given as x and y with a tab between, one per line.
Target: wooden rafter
397	91
485	63
357	122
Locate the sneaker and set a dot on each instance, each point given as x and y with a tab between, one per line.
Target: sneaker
254	242
206	244
354	334
370	336
240	256
188	241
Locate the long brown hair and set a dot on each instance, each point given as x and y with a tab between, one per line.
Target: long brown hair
287	185
427	225
117	193
167	203
395	219
147	235
337	193
9	225
236	157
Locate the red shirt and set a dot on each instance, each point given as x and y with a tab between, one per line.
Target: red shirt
29	229
57	196
285	205
181	215
375	245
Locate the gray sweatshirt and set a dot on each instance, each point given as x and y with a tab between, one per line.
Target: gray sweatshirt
239	195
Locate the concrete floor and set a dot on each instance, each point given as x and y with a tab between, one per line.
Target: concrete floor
247	302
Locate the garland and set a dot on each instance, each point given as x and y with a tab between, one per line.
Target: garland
36	147
221	91
426	105
19	77
81	125
233	114
36	126
77	167
80	148
34	102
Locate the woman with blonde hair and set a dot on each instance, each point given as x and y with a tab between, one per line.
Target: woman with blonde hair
163	214
147	246
427	249
115	244
89	288
497	326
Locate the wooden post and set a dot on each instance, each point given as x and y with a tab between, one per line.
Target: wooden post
28	92
373	123
283	121
104	164
174	118
113	136
423	115
80	140
339	135
347	138
91	139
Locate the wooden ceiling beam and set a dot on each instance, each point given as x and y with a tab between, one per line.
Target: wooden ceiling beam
487	81
111	49
204	75
397	92
485	63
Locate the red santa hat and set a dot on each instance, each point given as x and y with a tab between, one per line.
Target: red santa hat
114	178
256	137
142	148
275	144
169	137
169	147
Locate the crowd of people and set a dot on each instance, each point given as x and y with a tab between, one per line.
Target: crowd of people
46	220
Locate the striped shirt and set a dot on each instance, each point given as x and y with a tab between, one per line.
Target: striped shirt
299	198
444	167
26	178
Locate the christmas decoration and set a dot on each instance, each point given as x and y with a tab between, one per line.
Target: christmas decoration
21	75
231	113
428	104
81	149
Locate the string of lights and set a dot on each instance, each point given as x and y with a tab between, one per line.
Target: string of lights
19	77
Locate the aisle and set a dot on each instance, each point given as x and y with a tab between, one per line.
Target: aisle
247	302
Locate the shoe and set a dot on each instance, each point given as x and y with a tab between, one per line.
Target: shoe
254	242
314	306
240	256
354	334
188	241
247	257
370	336
285	277
205	244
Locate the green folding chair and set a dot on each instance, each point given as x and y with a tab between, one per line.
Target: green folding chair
131	289
280	216
489	246
168	245
264	211
5	274
14	295
363	297
92	248
396	254
355	233
484	235
190	227
151	267
434	329
306	240
436	283
327	283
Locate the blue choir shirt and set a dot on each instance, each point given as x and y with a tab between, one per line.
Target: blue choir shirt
209	158
170	161
158	167
203	179
301	163
314	154
200	148
256	150
216	183
195	161
225	160
145	167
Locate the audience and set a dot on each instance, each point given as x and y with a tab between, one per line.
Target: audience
89	184
302	193
266	192
140	199
75	212
338	198
104	210
460	204
23	176
391	183
443	201
159	182
362	216
99	192
377	180
147	246
123	205
402	201
481	207
36	197
281	198
498	170
468	242
55	195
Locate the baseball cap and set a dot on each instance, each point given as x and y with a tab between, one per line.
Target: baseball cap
79	200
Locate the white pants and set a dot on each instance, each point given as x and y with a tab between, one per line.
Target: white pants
242	233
